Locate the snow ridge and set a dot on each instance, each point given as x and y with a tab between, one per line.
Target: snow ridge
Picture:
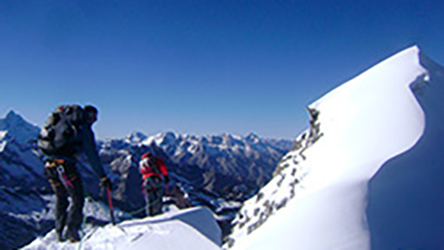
353	131
193	228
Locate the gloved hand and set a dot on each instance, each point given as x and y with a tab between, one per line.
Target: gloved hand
106	182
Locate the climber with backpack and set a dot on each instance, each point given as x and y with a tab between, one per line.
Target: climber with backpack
66	134
155	182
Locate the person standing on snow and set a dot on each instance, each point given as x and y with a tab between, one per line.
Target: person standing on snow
155	182
66	134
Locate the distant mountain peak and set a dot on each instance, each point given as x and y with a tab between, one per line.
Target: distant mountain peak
11	113
12	118
136	137
252	137
17	127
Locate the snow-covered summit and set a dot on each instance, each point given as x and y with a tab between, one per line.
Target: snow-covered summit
135	137
17	153
320	189
19	129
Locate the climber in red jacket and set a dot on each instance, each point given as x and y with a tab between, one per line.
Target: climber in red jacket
155	182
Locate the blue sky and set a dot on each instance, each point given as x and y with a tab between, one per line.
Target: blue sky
199	67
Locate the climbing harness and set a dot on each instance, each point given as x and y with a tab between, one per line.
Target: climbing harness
58	164
63	177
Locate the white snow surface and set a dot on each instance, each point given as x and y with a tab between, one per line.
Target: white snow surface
323	185
193	228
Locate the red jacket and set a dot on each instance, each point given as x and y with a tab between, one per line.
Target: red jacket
151	165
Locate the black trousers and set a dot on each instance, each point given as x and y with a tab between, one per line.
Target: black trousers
153	188
66	182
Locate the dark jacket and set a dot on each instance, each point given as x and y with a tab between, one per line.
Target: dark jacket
89	147
84	143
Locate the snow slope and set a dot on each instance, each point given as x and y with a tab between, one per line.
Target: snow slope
193	228
318	199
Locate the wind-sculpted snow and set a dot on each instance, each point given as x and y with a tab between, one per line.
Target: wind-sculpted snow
406	196
318	197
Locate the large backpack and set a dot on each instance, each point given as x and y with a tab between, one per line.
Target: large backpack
60	131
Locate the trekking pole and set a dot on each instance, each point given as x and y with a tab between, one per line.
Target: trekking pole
110	204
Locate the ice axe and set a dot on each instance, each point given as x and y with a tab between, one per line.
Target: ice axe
110	204
105	182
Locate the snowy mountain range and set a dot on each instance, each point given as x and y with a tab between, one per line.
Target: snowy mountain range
214	171
366	174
